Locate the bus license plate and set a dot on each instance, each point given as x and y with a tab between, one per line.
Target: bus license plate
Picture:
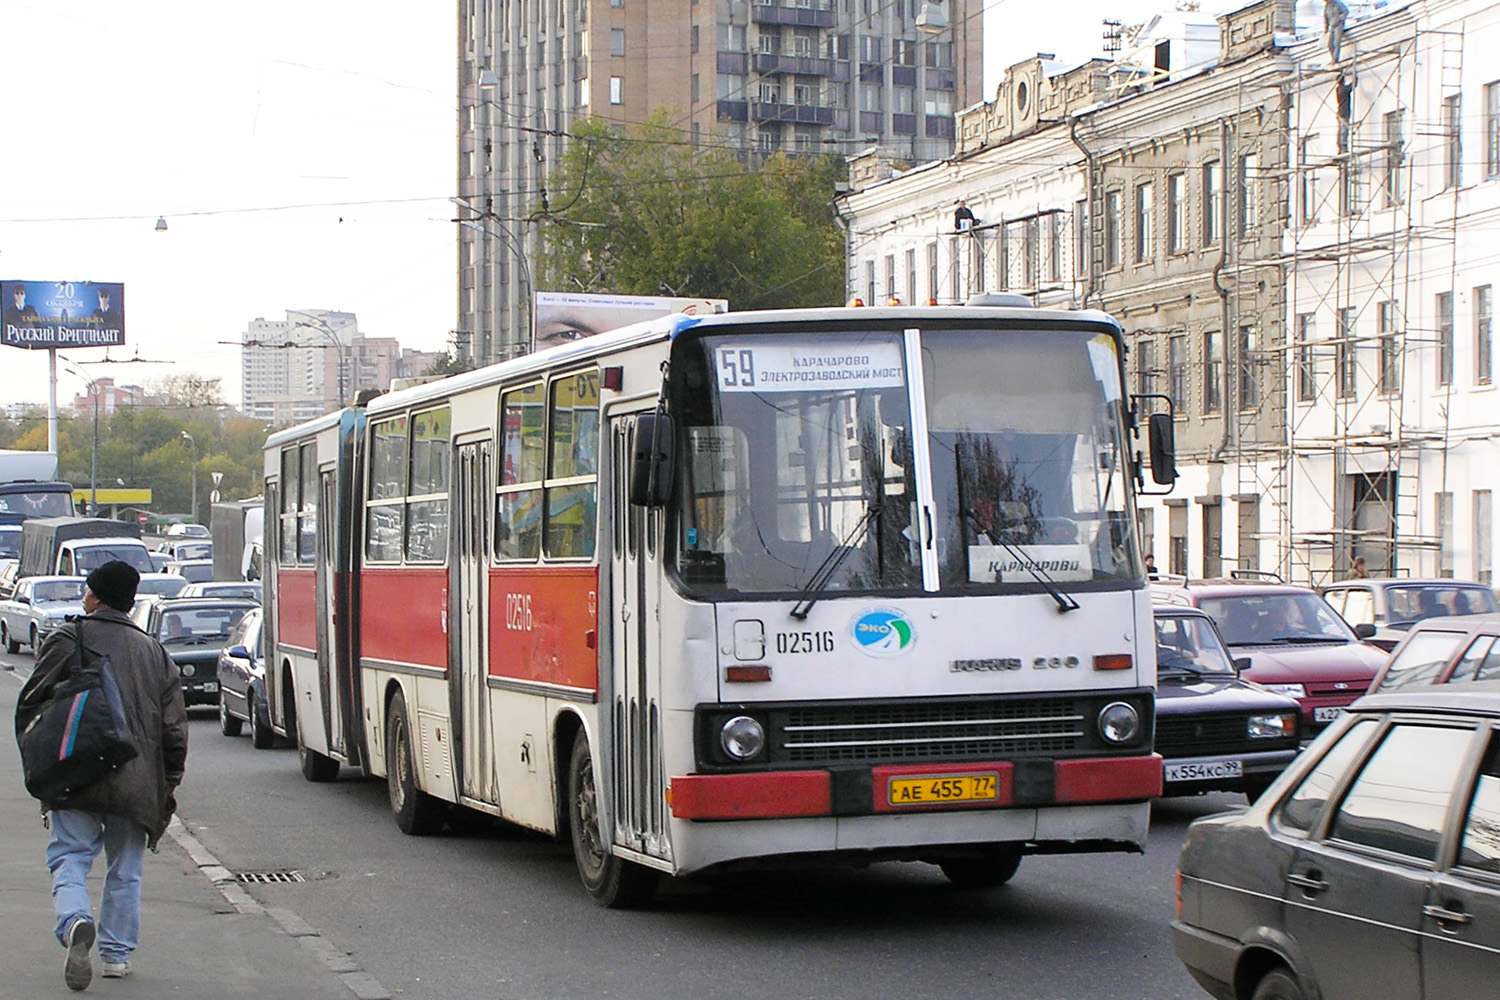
1195	770
926	790
1327	714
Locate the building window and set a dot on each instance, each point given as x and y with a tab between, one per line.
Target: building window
1213	371
1453	146
1309	192
1445	338
1213	203
1054	246
732	37
693	42
1176	213
1249	529
1145	236
1248	184
1344	354
617	90
932	272
1389	372
1080	238
1177	529
1484	347
1112	248
1492	130
1483	537
1177	373
870	299
693	88
1248	388
617	41
1307	368
1390	179
911	277
903	100
890	278
1213	540
1444	510
1145	359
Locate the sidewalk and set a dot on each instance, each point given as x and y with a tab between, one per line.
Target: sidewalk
202	936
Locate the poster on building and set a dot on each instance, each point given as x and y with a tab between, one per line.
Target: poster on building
46	314
563	317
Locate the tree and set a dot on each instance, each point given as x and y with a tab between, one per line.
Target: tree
188	391
641	212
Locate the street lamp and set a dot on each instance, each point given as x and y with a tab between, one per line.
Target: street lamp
321	326
95	400
189	439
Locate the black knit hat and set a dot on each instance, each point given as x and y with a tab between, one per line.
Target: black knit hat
114	583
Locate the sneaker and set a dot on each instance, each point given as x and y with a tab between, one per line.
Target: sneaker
116	970
79	971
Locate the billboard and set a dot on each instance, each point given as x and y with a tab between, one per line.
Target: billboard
563	317
45	314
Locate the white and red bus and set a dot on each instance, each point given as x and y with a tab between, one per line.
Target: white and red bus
728	591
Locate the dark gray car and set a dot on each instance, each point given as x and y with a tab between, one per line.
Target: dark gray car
1371	868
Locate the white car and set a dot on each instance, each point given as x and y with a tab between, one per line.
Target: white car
160	584
223	588
38	605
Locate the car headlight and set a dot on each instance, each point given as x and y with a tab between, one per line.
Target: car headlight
1293	690
742	738
189	670
1119	722
1269	727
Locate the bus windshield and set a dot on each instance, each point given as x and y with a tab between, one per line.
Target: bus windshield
32	502
802	465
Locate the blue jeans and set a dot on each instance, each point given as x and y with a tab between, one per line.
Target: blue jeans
77	838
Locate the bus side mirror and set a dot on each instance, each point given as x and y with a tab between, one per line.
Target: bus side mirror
651	460
1163	449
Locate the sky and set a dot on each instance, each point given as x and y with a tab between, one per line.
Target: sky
301	152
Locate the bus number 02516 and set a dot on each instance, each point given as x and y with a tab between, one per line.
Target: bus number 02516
804	642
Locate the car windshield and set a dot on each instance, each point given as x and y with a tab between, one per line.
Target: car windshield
1189	643
1418	602
1273	619
10	542
60	590
92	557
1421	660
167	586
197	625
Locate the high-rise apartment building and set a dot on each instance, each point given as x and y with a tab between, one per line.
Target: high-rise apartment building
793	76
299	367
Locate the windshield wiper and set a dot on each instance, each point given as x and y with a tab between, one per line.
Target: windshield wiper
830	564
1309	638
1065	602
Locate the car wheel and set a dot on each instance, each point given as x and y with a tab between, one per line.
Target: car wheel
11	645
229	725
416	812
611	881
1278	984
982	873
262	736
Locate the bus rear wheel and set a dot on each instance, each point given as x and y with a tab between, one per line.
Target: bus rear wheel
985	872
416	812
611	881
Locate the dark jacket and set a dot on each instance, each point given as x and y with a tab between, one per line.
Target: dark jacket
151	692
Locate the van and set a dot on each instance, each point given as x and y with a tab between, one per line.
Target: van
75	546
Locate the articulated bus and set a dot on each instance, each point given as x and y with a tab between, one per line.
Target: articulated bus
752	589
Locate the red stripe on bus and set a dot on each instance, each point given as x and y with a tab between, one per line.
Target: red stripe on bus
297	608
1108	779
541	623
404	615
766	795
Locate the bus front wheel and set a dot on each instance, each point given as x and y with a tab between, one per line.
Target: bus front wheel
611	881
416	812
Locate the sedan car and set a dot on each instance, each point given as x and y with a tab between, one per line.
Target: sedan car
1371	868
1443	651
38	605
242	684
160	585
1382	610
223	588
1296	644
1214	731
194	630
193	570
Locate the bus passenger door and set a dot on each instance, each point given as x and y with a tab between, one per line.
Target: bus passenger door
637	774
330	648
467	599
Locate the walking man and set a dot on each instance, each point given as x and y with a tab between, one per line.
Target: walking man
126	811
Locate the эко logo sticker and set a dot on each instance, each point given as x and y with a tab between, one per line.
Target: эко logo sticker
882	632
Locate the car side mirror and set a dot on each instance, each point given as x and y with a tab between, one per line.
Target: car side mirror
1364	630
22	599
238	652
1241	663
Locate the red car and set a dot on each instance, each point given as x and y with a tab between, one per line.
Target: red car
1296	644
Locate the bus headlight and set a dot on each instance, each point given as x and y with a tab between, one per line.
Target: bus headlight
1119	722
742	738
